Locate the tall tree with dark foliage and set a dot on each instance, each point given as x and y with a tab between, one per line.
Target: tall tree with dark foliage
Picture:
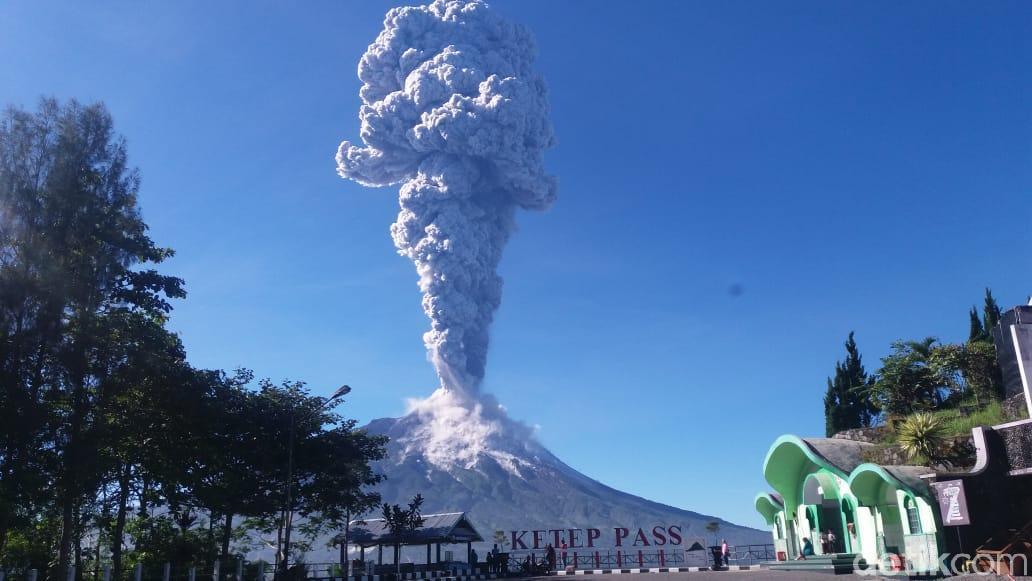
847	404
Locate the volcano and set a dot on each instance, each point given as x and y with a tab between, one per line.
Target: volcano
471	457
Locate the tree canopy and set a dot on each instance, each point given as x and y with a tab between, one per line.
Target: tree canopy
109	438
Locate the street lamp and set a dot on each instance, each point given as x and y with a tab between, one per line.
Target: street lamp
289	508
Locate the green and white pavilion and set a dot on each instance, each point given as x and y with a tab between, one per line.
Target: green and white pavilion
884	515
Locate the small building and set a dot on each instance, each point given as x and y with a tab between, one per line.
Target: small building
437	529
823	485
890	516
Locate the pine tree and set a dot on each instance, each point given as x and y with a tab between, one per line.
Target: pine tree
846	403
991	315
976	329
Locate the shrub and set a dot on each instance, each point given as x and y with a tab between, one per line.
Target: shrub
922	435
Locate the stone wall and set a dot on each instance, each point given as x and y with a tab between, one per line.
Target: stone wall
873	435
1015	407
1017	441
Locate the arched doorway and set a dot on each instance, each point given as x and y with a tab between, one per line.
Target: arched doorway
850	540
876	489
821	492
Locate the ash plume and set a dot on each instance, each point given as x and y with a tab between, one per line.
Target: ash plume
453	111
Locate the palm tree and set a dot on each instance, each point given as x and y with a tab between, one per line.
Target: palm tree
402	522
713	527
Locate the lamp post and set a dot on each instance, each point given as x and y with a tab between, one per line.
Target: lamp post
288	509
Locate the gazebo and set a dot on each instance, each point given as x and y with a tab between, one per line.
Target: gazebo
437	529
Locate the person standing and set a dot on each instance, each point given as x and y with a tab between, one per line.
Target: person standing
725	553
564	553
832	542
473	560
550	556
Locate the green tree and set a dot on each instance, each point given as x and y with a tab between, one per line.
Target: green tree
981	330
76	254
402	522
713	527
975	329
907	383
990	314
847	402
104	427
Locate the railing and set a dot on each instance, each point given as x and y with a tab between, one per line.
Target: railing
234	570
239	570
752	554
642	558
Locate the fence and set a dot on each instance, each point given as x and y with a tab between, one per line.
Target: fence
236	570
641	558
240	570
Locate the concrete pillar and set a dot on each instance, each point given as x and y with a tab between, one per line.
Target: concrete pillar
191	574
379	554
438	552
166	572
138	572
427	556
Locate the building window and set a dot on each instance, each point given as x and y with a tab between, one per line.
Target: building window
913	516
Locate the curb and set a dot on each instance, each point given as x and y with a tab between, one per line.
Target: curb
442	575
651	570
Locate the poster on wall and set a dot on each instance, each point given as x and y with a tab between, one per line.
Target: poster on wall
952	502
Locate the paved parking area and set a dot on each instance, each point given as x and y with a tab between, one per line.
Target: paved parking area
754	575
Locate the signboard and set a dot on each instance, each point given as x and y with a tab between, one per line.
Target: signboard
657	536
952	502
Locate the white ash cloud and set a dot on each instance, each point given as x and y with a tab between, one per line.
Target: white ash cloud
454	112
455	430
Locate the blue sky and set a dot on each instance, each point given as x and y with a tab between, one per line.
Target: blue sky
851	165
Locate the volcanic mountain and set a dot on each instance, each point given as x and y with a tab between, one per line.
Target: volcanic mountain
466	455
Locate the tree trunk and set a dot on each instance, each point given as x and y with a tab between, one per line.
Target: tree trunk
64	559
124	478
144	493
209	549
3	535
78	543
227	532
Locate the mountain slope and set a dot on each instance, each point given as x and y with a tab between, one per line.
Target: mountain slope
469	456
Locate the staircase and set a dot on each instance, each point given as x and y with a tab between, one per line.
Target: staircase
837	564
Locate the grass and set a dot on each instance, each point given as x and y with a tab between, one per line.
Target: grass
958	424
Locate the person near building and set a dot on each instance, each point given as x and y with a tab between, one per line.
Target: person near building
807	549
550	556
725	553
564	547
832	542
